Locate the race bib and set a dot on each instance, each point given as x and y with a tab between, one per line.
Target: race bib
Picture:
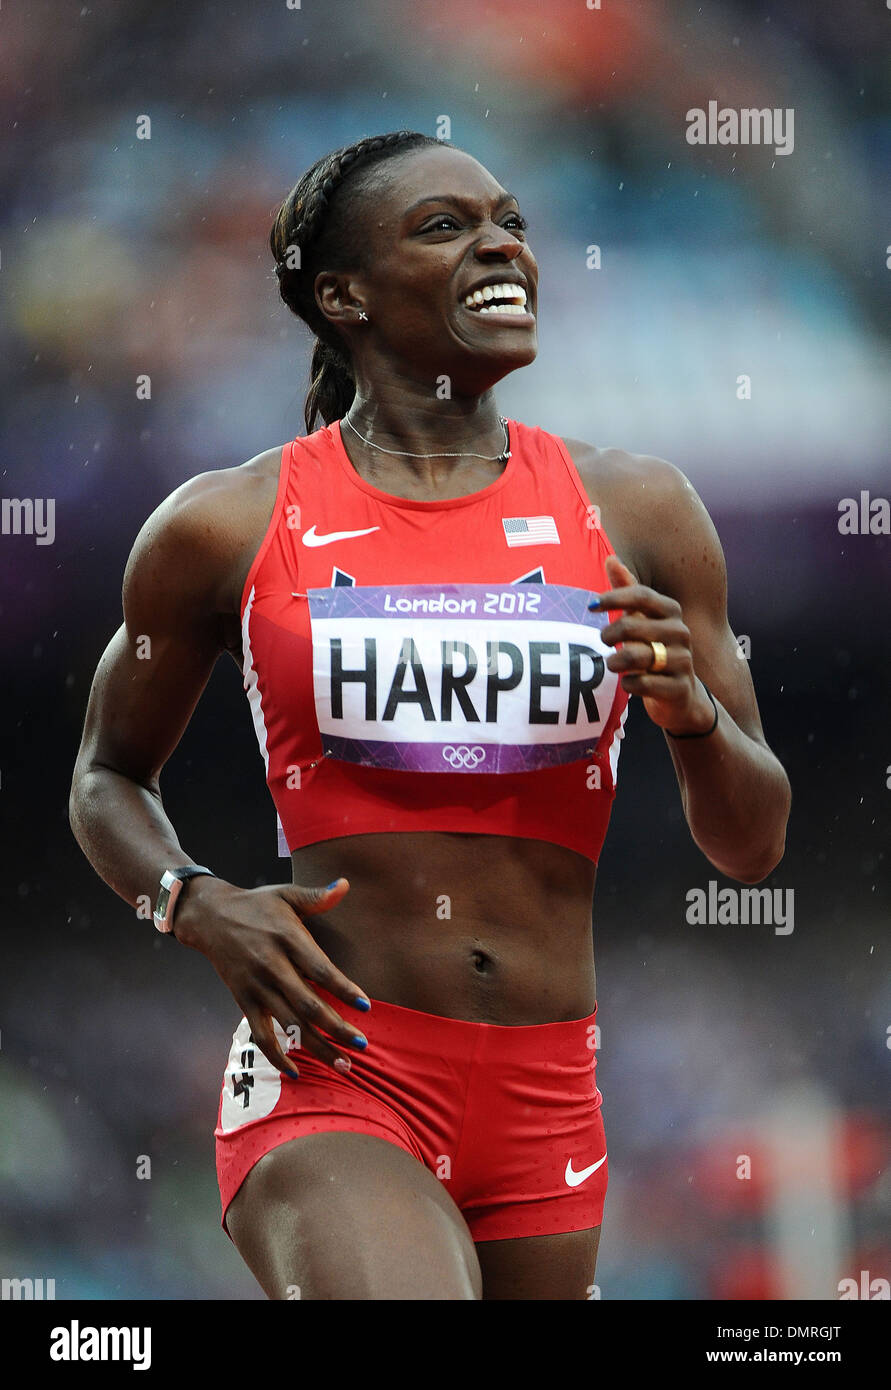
459	677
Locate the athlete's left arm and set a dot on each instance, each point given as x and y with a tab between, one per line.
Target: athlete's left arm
735	793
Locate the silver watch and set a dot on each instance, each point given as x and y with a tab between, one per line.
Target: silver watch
172	883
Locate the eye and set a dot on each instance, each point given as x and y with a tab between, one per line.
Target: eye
447	218
437	223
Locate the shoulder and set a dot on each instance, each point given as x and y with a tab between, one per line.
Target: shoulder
642	477
210	506
192	544
655	507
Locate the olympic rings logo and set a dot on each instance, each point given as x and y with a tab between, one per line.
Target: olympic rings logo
462	756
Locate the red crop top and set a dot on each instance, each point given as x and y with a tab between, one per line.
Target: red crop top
416	665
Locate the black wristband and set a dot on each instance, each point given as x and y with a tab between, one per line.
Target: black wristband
191	871
185	875
705	733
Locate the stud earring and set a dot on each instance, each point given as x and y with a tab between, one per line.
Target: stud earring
363	316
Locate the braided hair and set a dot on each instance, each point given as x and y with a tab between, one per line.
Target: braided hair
313	230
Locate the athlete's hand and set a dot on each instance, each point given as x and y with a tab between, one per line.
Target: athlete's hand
258	945
673	698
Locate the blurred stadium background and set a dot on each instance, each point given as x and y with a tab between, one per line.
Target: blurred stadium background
123	256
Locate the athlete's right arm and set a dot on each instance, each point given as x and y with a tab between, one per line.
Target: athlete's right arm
146	687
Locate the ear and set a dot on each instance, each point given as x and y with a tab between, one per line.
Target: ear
339	298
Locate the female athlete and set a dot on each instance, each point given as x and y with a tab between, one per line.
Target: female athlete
438	642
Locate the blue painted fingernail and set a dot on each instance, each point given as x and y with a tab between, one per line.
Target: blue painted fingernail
332	885
294	1075
596	603
360	1042
363	1003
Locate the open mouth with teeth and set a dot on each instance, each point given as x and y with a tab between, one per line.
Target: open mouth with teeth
501	301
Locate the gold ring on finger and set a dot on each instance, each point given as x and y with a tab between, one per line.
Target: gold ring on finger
660	657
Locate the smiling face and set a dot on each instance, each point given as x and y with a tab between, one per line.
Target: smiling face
447	278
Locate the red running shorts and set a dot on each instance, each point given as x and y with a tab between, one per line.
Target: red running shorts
508	1118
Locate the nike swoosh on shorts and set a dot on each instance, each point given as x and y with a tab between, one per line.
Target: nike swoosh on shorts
573	1179
310	537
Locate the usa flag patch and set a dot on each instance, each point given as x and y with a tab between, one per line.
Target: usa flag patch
530	530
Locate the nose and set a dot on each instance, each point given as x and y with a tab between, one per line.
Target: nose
498	241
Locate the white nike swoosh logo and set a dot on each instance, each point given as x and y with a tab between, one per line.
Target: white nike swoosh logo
573	1179
310	537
